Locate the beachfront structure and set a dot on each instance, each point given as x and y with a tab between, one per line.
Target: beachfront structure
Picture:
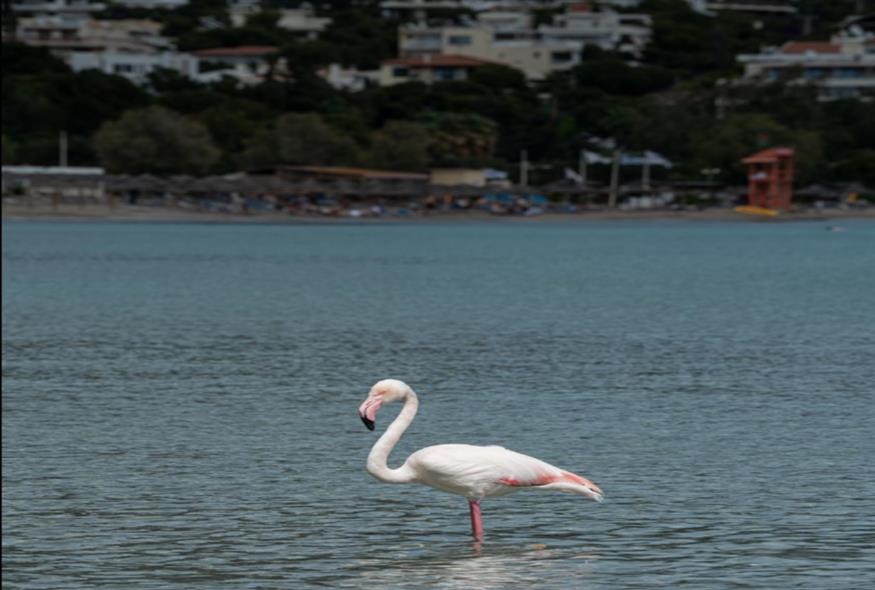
136	67
356	182
536	58
54	183
63	36
428	69
458	176
348	173
843	67
770	178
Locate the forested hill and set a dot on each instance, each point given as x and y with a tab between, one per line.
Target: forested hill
680	100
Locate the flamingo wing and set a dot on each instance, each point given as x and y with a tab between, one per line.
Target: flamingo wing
477	472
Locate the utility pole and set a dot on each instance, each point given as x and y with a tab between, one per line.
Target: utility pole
581	166
524	168
615	180
62	149
645	174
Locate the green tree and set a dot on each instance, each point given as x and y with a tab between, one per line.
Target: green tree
155	140
613	76
362	36
726	143
500	78
859	166
9	150
300	139
19	58
190	16
460	138
401	145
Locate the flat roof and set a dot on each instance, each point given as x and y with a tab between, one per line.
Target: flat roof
242	51
439	61
769	155
810	46
364	173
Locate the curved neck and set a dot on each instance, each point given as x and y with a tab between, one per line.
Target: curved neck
379	454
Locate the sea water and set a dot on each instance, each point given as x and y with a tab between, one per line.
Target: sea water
179	403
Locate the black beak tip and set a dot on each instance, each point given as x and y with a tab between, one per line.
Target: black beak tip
368	423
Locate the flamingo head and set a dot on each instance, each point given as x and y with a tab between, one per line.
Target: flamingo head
383	392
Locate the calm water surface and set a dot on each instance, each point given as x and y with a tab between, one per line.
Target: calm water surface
179	403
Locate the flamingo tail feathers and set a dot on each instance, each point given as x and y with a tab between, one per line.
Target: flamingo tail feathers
565	481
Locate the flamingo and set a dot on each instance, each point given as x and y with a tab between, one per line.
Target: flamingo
475	472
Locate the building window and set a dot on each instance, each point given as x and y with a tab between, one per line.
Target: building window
843	93
813	73
459	40
561	57
848	73
448	74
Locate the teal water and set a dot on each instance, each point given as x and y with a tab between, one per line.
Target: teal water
179	403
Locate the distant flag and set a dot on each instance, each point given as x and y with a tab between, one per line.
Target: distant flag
493	174
650	158
595	158
572	175
657	160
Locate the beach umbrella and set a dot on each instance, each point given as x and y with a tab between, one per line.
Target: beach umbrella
180	183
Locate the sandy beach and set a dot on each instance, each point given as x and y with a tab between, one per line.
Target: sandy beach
133	213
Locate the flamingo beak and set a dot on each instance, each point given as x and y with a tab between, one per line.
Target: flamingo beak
368	411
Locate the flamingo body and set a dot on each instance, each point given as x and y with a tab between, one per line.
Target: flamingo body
478	472
475	472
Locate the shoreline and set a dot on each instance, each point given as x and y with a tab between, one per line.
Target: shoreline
129	213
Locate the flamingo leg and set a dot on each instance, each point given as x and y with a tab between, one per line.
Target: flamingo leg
476	520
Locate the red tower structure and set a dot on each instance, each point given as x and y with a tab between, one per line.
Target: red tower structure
770	178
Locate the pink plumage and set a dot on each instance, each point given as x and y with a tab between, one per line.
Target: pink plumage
475	472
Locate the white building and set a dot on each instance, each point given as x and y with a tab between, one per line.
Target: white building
609	30
428	69
710	7
136	67
843	67
63	36
506	22
66	10
250	64
247	65
300	21
161	4
351	79
415	40
536	58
